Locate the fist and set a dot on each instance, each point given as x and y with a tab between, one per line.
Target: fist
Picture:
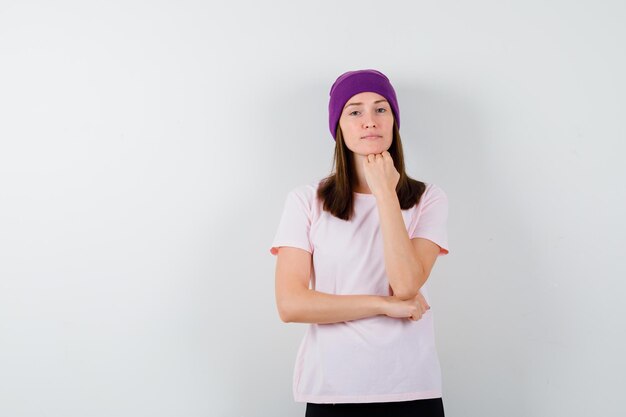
412	309
380	173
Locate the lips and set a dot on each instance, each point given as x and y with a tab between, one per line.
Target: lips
371	137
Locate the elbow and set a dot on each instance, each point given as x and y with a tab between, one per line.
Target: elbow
286	311
290	306
408	292
284	315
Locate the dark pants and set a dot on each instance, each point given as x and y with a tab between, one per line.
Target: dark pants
431	407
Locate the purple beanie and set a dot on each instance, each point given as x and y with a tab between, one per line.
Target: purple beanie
355	82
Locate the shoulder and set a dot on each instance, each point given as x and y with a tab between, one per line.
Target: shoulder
433	196
304	194
434	191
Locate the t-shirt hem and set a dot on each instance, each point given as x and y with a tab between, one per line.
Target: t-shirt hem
274	248
442	245
336	399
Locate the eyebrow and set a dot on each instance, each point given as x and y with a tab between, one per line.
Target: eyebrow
358	104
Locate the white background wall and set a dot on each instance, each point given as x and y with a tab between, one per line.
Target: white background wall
146	149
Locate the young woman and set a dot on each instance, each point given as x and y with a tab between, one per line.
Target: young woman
366	239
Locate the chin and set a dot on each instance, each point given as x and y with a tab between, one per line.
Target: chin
378	147
372	151
368	148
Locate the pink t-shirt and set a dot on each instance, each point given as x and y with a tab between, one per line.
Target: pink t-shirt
378	358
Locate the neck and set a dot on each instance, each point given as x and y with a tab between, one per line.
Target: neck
361	183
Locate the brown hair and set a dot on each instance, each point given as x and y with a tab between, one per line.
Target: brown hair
335	191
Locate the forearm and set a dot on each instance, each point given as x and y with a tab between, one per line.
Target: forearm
310	306
402	266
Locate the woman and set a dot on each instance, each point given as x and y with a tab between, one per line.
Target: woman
366	238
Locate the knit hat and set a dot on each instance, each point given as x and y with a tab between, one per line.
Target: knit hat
354	82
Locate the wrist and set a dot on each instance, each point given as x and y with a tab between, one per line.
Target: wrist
383	304
386	195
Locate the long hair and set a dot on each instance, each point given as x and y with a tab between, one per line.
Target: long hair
336	189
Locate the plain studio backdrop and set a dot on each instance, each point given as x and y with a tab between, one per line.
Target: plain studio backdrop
147	149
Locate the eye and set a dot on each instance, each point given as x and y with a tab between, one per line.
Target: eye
350	114
383	109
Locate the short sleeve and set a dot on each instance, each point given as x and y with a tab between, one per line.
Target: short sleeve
295	223
431	221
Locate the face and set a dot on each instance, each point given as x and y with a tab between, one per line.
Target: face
366	123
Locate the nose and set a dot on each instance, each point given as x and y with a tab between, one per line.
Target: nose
368	122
